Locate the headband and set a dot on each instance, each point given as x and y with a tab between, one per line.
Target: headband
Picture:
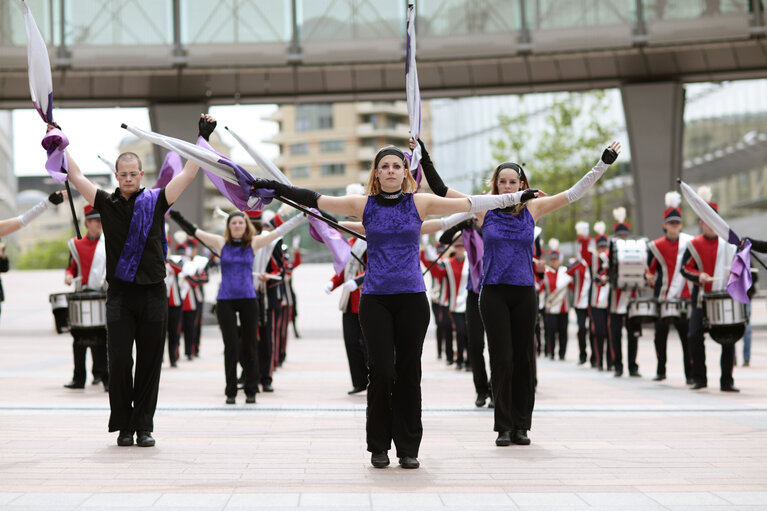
513	166
387	151
234	214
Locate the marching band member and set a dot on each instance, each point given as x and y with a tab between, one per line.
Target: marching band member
619	301
440	299
706	263
457	274
87	271
600	296
175	265
198	277
579	271
556	283
664	260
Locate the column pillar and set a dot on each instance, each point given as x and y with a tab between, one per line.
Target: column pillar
655	123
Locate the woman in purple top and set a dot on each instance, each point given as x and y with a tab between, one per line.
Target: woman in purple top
508	303
394	311
237	294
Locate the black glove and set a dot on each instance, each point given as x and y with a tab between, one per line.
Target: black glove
449	234
56	198
186	226
302	196
430	173
609	156
205	128
529	194
758	245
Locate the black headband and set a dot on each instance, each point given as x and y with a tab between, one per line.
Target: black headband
234	214
513	166
387	151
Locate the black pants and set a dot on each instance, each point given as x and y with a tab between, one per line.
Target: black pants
616	323
697	349
394	327
661	336
239	344
174	332
266	346
356	352
476	334
603	357
509	314
584	332
555	325
461	337
445	329
135	314
440	335
189	324
98	344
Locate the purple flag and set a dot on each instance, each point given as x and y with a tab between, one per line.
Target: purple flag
740	280
337	244
413	94
54	143
475	251
171	167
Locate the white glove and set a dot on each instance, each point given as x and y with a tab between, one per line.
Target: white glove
431	252
290	225
580	188
36	210
296	242
328	287
351	285
454	219
504	200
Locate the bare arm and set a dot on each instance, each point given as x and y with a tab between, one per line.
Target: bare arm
264	239
212	240
181	181
431	226
9	226
350	205
75	176
428	204
545	205
354	226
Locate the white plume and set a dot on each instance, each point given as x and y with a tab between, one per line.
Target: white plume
355	189
600	227
582	228
179	237
218	212
553	244
267	216
705	193
284	211
619	214
673	199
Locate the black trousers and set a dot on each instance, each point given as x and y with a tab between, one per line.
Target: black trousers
476	335
189	324
509	314
440	335
461	337
394	327
445	329
616	323
266	346
239	344
584	332
601	338
356	352
661	336
174	332
135	314
98	346
697	349
555	326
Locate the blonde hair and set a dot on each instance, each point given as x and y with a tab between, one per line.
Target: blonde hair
128	156
373	186
250	230
524	184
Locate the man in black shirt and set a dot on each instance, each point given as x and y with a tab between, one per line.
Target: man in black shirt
137	306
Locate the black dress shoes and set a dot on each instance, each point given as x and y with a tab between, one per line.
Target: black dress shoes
659	377
409	462
379	459
144	439
481	399
250	399
267	387
504	439
618	374
729	388
230	401
635	374
125	438
690	381
74	385
96	380
357	390
520	437
698	385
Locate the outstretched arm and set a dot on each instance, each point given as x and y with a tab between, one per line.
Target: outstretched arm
177	185
212	240
265	238
12	225
84	185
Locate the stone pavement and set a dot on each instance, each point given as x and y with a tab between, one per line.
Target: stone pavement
599	442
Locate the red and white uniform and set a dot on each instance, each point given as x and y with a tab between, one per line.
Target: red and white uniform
352	270
88	262
581	275
455	272
667	255
712	256
440	287
556	284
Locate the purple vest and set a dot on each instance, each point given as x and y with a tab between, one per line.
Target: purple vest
236	273
508	240
393	234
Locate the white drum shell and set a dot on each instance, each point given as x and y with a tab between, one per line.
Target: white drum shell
673	308
87	310
58	301
628	262
646	309
722	310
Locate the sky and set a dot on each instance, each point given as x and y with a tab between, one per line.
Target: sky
94	132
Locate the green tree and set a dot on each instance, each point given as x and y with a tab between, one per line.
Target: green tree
574	137
52	254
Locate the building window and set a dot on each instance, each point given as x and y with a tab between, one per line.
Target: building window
314	116
333	169
300	148
300	171
331	146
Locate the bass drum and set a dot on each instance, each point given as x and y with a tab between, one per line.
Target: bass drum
628	262
724	318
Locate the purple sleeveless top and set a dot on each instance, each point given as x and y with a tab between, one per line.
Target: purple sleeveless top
393	234
508	241
236	273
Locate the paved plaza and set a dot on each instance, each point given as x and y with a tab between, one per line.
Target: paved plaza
598	442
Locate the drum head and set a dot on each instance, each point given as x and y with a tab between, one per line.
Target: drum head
729	334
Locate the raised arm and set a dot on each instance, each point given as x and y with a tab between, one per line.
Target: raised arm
75	176
545	205
214	241
432	177
265	238
427	204
173	190
12	225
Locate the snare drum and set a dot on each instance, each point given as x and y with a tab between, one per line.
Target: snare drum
643	309
628	262
725	318
60	309
672	310
87	309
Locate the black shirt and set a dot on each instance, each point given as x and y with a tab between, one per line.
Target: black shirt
116	215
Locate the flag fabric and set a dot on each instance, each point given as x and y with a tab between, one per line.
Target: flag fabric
475	251
55	142
171	167
413	93
40	81
107	163
740	279
266	164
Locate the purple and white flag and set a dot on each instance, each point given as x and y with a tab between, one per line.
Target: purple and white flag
740	273
171	167
413	93
266	164
107	163
40	81
55	142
